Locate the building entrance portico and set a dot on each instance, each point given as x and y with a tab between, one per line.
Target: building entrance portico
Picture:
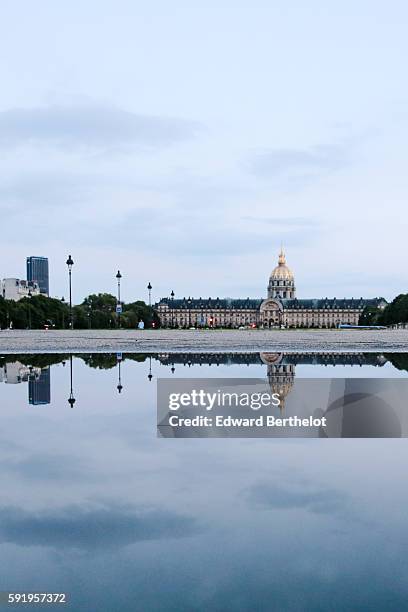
271	313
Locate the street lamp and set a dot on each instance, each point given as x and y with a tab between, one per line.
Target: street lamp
63	312
30	295
149	288
70	263
119	305
189	311
172	306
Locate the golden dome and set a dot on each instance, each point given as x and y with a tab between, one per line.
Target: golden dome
282	272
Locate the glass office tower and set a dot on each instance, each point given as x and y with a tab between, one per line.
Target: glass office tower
37	271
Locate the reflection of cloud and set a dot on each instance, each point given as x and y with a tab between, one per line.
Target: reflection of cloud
94	127
106	527
278	496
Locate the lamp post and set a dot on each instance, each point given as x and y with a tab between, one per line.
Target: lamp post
189	311
149	288
119	305
71	399
172	307
70	263
63	312
29	309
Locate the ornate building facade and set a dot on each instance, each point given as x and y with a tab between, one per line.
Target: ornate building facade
281	308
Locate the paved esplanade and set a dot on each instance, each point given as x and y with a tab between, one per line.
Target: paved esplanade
163	341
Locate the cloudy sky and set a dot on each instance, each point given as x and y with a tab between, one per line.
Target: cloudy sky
184	142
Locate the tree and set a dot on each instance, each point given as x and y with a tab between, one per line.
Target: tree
397	311
370	316
141	312
97	311
34	312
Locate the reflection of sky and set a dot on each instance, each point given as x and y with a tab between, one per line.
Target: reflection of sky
95	504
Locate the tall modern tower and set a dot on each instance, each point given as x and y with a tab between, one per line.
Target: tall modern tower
37	271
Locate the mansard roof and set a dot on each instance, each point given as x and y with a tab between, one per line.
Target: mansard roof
254	304
331	303
199	303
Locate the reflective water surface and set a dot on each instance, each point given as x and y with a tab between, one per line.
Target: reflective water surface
94	504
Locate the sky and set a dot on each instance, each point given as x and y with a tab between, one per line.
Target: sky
183	143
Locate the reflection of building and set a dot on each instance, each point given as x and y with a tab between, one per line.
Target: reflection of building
278	359
281	375
16	289
14	372
39	380
39	389
37	271
281	367
280	308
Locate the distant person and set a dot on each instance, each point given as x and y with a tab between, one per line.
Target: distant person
141	325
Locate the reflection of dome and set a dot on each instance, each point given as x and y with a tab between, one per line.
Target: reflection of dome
281	386
271	358
281	377
282	272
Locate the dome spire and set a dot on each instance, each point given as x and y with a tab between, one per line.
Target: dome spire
282	259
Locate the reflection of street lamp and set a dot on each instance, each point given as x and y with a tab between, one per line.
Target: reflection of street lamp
71	399
149	288
70	263
150	375
119	305
173	369
119	360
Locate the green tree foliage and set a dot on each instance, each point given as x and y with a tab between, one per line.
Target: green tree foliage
370	316
397	311
34	312
139	311
97	311
398	360
100	361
